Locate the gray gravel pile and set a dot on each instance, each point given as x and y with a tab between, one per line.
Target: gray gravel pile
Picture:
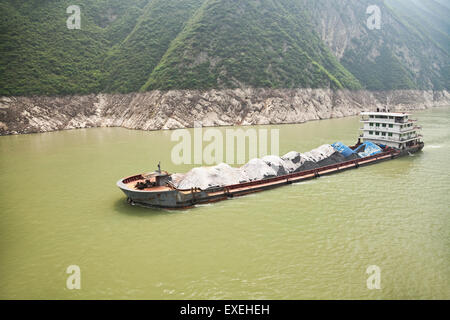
257	169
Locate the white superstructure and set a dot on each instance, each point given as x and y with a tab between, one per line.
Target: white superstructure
393	129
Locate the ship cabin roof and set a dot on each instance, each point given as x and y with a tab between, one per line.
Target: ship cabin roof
391	114
156	174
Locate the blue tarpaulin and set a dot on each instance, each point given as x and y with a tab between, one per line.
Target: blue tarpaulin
368	149
343	149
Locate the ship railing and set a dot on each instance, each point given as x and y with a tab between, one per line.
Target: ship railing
213	189
132	179
171	185
197	189
388	151
389	130
411	137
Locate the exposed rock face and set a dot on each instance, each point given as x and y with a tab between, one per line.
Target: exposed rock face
342	26
157	110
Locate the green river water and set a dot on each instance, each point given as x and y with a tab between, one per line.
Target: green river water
59	206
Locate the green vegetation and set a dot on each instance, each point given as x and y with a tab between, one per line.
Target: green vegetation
132	45
129	63
39	55
384	73
433	17
400	55
255	42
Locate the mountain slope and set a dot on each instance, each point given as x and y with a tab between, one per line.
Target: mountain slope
40	55
129	63
250	43
432	14
130	45
397	56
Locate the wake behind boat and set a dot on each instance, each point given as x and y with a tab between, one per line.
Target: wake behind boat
386	136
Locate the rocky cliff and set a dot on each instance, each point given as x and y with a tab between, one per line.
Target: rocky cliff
155	110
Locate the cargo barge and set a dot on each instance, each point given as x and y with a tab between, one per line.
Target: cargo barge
394	134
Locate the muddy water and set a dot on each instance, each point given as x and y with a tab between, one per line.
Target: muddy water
59	206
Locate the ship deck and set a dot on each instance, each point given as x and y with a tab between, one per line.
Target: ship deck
131	182
188	198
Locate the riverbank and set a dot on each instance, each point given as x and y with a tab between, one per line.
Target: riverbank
156	110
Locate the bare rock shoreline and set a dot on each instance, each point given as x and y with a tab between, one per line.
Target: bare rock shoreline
156	110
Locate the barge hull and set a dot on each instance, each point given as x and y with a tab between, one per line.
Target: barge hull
183	199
